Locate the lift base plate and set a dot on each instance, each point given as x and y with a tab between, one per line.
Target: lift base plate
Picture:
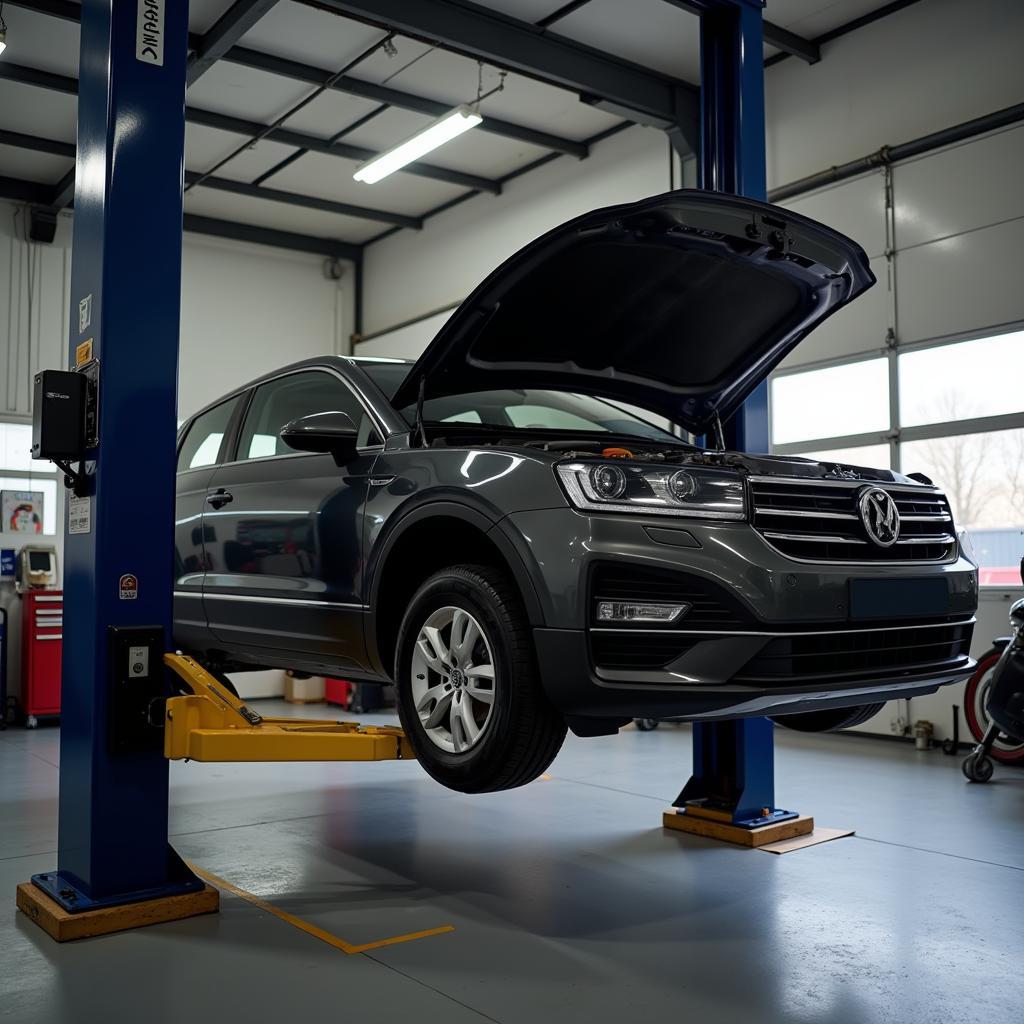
709	828
63	926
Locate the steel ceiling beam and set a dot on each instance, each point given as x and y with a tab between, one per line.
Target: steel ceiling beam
40	79
37	194
36	144
241	16
63	193
301	140
789	42
601	78
274	195
241	126
24	191
271	236
845	29
310	75
218	44
54	8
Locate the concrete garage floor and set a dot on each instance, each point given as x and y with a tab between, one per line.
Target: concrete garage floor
568	900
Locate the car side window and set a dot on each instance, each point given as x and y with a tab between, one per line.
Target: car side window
280	401
203	440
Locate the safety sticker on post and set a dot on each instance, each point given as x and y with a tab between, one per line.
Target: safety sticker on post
149	32
129	587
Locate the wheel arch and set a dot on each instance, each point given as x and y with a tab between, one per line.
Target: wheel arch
421	540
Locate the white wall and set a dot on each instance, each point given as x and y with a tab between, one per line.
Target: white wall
246	310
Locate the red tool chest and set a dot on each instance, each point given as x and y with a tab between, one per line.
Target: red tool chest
42	629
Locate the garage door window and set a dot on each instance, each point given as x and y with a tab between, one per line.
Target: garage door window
288	398
834	402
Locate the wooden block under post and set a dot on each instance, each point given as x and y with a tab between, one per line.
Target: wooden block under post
753	837
63	926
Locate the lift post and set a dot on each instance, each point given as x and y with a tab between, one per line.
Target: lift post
731	794
125	298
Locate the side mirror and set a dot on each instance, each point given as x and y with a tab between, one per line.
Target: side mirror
332	433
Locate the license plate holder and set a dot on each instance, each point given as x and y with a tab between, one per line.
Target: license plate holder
898	599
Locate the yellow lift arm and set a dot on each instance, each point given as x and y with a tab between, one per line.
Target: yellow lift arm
212	724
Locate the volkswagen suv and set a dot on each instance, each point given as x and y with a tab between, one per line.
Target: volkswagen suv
538	525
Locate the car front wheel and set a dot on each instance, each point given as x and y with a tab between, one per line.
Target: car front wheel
469	695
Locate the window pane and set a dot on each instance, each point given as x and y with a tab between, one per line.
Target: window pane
202	443
848	399
16	510
983	477
544	417
956	382
871	456
16	449
281	401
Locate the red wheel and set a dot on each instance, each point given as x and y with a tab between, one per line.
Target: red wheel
975	705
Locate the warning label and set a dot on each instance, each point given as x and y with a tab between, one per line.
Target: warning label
79	515
129	587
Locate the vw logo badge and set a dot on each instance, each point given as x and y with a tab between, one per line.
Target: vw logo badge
880	516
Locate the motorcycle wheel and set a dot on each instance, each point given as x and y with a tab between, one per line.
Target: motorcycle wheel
1004	750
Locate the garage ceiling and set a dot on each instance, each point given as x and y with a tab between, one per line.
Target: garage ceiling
255	61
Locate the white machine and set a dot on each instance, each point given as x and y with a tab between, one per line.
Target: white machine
37	568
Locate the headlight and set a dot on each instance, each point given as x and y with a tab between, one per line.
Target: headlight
658	490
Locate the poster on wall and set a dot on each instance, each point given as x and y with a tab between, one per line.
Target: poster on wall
22	511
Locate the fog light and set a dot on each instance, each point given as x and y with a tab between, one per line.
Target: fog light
622	611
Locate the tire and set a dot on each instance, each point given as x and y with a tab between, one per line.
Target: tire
646	724
462	739
832	720
1004	750
977	768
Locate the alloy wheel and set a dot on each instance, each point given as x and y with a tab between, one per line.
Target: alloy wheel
453	679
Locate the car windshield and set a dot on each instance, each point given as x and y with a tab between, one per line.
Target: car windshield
523	408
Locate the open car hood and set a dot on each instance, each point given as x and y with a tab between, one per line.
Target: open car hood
682	304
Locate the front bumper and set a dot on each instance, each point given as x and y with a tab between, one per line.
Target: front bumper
573	686
786	605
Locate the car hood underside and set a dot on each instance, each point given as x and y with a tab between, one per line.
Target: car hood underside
682	304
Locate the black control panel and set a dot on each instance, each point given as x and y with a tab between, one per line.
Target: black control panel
138	688
58	415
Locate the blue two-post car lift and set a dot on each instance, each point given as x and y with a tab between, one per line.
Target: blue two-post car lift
125	294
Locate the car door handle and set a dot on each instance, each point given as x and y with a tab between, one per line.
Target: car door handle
219	498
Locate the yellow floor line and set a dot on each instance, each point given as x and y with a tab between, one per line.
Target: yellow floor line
311	929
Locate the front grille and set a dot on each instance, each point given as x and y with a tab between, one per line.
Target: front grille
711	606
859	655
818	521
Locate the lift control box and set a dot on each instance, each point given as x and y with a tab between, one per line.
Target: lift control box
58	415
138	688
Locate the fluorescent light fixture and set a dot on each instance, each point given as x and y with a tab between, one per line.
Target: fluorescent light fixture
443	130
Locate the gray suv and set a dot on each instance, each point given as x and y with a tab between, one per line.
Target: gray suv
527	530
